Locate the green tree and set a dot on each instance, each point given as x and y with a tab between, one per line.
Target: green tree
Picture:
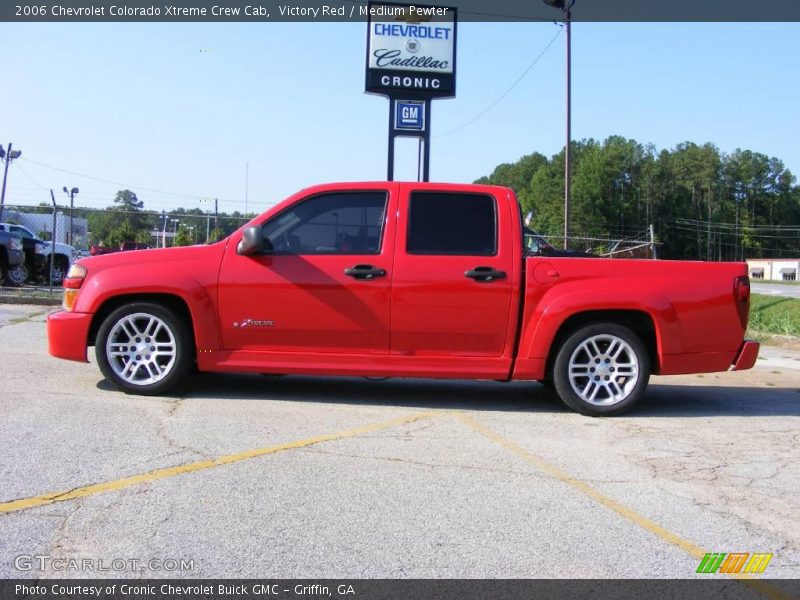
182	237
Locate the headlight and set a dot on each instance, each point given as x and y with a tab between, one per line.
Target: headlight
77	271
16	243
39	249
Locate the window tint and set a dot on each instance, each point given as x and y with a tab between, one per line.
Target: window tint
21	231
445	223
346	223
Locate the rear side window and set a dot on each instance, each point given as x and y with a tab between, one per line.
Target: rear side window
454	224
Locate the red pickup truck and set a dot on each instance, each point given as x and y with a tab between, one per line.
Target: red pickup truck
403	280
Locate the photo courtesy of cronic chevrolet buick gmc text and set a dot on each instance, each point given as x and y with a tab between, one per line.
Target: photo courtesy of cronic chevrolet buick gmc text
403	280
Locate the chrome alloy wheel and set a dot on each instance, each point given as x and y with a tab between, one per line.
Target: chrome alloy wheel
603	370
141	349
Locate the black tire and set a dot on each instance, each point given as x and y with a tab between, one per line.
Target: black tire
18	275
138	349
611	384
60	267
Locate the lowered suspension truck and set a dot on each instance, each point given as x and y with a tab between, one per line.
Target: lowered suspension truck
394	279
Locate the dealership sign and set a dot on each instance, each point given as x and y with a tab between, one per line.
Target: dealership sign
411	51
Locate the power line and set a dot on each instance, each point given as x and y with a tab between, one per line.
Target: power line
507	92
31	179
126	185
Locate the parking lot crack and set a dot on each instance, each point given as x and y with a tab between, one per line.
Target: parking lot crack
61	535
161	431
430	465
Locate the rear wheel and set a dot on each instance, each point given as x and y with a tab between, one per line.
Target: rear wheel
59	270
601	369
144	348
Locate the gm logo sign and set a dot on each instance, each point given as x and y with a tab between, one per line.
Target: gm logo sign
409	114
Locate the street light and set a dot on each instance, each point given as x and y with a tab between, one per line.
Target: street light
8	157
566	7
71	193
174	229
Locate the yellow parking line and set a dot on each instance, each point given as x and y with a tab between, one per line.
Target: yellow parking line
118	484
622	510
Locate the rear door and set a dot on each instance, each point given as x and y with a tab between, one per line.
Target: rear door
454	273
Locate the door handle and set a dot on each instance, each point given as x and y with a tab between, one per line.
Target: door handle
485	274
364	272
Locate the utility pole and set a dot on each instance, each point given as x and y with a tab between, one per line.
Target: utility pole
216	215
652	242
567	165
8	156
566	8
53	241
246	185
164	229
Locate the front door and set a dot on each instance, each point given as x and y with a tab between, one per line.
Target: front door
322	283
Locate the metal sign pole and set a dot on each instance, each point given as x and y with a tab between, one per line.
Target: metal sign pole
410	61
390	163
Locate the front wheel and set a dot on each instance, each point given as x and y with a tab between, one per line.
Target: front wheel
144	348
601	369
17	275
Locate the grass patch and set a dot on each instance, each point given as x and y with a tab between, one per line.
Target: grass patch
774	315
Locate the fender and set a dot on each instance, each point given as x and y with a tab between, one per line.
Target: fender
135	280
556	306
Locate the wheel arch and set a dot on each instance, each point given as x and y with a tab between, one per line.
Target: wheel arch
169	301
638	321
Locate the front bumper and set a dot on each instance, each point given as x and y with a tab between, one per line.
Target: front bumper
746	357
68	334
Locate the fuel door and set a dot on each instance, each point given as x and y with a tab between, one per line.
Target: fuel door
545	273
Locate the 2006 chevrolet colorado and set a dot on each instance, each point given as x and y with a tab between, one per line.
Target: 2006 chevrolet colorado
406	280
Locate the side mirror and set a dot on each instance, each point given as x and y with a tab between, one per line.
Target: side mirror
252	241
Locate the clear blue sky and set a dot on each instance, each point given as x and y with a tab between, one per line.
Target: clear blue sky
182	108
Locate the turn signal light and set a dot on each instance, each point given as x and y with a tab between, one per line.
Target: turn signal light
72	284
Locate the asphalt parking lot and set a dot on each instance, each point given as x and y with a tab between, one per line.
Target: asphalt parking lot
322	477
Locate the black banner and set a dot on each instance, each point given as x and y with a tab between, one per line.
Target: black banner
356	10
412	84
416	589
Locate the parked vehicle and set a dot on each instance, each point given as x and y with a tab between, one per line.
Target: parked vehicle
535	245
39	252
380	279
123	247
12	259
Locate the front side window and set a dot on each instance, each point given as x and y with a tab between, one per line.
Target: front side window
452	224
341	223
21	231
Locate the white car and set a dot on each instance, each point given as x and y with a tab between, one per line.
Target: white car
64	253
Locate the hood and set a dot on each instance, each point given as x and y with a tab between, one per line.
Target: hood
59	247
161	256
